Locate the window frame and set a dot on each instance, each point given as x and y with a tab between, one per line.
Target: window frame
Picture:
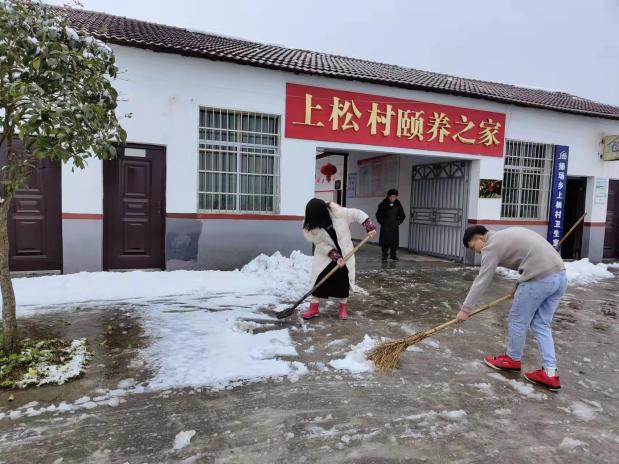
241	148
527	174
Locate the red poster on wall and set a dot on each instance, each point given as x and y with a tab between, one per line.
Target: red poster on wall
329	115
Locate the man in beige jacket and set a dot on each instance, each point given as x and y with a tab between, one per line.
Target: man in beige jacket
541	285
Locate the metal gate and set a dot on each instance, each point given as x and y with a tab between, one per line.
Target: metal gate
439	200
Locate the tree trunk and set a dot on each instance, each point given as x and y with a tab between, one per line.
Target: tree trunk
9	321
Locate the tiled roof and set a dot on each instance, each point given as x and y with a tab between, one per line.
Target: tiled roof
157	37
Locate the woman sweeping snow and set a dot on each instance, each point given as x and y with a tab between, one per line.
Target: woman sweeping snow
327	226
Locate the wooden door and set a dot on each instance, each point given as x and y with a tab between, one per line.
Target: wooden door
35	219
134	209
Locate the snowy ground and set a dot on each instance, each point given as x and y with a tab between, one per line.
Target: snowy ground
209	328
167	344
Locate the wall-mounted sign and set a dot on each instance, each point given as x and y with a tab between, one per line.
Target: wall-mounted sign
377	175
557	194
610	151
490	188
600	194
316	113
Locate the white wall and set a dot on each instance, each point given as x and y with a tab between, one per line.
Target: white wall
82	190
164	93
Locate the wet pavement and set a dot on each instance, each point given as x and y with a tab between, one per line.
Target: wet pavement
441	405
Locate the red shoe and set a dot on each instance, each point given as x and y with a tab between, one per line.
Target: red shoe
541	378
312	311
343	311
502	362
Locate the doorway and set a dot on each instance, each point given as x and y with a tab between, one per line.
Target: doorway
611	234
439	199
134	208
330	177
575	200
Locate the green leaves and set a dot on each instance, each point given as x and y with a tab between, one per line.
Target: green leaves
56	90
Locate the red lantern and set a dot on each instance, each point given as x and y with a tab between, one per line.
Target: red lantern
328	170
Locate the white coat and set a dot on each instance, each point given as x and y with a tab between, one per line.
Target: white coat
341	218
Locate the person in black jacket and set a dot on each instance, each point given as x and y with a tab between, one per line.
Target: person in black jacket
390	215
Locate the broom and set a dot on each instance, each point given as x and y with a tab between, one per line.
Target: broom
387	355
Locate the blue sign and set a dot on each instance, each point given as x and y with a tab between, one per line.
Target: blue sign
557	194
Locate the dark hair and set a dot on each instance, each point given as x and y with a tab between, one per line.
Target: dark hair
471	232
317	215
392	192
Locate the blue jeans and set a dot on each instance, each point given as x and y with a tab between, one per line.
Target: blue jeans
534	306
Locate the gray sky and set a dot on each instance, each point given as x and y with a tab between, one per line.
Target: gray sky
570	45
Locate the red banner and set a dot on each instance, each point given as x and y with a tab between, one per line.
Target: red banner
316	113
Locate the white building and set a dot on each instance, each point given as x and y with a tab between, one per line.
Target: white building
225	148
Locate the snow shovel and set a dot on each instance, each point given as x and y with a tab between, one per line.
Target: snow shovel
288	312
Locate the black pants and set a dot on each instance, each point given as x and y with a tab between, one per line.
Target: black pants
390	251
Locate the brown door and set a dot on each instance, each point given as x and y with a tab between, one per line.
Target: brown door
134	208
35	220
611	235
575	199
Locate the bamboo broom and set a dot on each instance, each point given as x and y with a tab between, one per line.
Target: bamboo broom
387	355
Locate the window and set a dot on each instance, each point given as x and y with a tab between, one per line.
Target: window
238	162
526	180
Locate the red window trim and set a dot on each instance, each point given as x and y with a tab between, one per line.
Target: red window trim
82	216
509	222
247	217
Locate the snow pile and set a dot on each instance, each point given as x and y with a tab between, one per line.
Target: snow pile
455	415
414	349
49	363
570	444
584	272
201	323
355	361
111	398
524	389
431	343
183	438
435	424
208	348
484	388
284	277
78	358
579	273
110	286
584	411
273	275
507	273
